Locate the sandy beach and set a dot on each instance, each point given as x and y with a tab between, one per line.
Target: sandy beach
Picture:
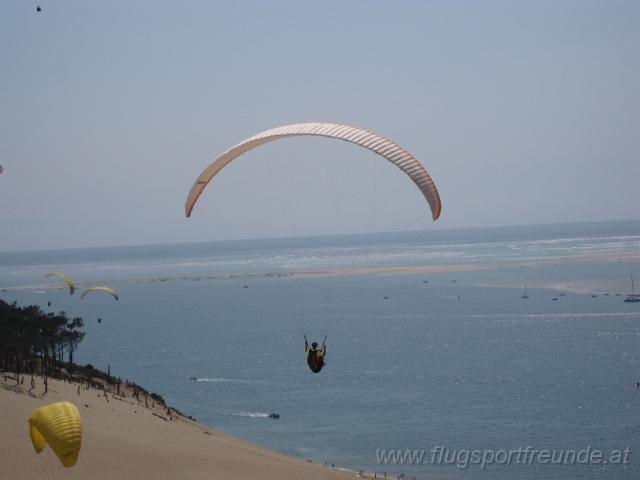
125	438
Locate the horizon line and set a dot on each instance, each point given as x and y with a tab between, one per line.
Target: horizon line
319	236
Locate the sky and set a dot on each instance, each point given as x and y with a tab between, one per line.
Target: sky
522	112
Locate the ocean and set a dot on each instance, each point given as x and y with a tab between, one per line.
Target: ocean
436	367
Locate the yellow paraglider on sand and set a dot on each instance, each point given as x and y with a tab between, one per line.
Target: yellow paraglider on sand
66	278
108	290
58	424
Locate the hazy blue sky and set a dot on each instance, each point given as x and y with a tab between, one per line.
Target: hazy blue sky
523	112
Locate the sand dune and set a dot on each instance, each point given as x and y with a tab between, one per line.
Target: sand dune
125	439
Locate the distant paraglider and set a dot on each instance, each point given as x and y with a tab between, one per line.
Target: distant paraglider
315	355
108	290
70	285
38	9
390	151
58	424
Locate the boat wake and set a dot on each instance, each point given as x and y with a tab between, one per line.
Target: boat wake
220	380
251	414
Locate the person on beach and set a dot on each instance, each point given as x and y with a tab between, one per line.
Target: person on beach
315	355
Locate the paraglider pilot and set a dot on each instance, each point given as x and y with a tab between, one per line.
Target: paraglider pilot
315	355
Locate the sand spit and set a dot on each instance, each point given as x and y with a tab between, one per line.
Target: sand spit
356	271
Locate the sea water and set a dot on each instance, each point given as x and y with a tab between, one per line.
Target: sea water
440	365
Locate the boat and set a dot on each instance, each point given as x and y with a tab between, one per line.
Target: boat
274	415
524	294
633	296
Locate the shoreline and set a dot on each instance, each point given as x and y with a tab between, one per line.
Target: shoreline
129	437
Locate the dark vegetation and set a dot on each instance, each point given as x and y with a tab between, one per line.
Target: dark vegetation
33	343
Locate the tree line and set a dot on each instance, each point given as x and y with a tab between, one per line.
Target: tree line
36	343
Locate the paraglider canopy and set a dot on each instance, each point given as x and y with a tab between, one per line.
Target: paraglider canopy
66	278
58	424
108	290
392	152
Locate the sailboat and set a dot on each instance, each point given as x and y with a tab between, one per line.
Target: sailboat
524	294
633	296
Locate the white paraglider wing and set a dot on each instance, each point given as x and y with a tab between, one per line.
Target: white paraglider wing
392	152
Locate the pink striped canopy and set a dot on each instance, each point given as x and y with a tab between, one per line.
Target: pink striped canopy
374	142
